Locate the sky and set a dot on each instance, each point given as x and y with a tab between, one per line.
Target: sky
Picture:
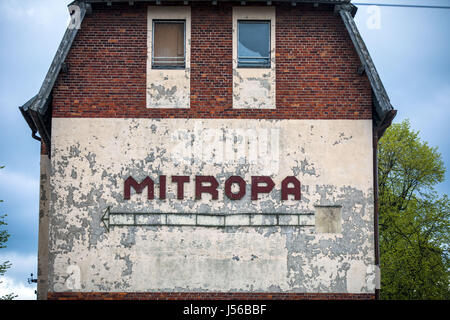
410	48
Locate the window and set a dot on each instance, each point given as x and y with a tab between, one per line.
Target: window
168	44
253	44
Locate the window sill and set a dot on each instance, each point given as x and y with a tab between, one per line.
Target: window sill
169	67
253	67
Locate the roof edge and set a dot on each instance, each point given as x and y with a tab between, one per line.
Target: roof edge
35	111
249	1
61	54
25	110
384	112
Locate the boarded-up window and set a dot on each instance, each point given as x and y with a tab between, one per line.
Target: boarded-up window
168	44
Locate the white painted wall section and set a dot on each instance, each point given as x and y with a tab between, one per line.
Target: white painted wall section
254	88
91	158
168	88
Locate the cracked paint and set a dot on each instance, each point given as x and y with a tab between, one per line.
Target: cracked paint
87	176
169	88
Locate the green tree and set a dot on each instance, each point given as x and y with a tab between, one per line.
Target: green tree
414	220
4	235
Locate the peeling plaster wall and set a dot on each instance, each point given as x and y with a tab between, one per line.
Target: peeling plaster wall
169	88
91	158
43	243
254	88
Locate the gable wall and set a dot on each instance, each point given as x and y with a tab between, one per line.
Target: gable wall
104	130
316	67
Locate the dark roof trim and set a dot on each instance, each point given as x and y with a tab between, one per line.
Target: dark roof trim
384	112
288	1
35	110
28	118
61	54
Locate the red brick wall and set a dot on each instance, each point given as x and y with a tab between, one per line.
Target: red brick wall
211	62
316	67
107	65
205	296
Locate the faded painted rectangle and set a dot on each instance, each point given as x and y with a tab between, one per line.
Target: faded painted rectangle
237	220
121	219
150	219
288	220
210	220
263	220
178	219
328	219
307	220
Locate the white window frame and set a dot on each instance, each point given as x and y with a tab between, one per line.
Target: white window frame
155	21
254	87
241	64
161	81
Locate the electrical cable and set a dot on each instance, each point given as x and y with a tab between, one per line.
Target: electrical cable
401	5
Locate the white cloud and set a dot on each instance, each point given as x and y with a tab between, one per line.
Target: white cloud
21	263
26	185
22	291
15	279
39	13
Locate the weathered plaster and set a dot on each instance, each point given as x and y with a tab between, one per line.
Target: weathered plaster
43	244
254	88
91	158
169	88
328	219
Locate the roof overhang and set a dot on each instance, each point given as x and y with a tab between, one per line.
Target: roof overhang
36	111
217	1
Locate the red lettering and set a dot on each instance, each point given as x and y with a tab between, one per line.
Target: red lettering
209	184
228	184
180	181
162	187
257	189
138	187
211	189
286	190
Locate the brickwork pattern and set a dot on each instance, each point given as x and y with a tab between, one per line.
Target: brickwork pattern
316	67
205	296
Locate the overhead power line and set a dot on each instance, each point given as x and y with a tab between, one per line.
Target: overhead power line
401	5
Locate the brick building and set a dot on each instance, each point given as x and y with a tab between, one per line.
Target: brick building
209	149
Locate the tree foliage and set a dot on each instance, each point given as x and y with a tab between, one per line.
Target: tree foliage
414	219
4	235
